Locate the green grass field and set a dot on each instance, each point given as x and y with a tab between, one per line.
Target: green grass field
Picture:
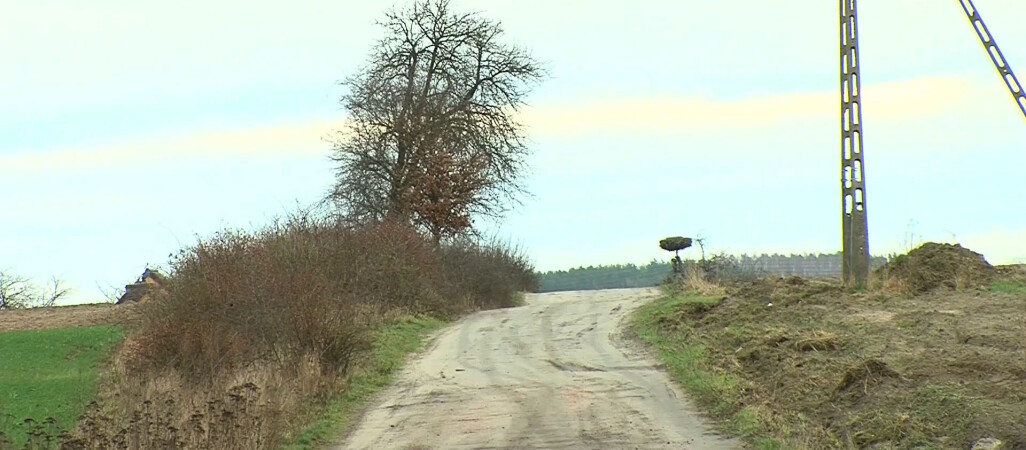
48	374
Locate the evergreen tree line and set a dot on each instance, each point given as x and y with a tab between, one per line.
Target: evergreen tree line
630	275
604	277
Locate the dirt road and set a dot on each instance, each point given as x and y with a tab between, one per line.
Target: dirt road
554	374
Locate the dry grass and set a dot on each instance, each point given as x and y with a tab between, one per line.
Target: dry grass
252	408
817	340
694	279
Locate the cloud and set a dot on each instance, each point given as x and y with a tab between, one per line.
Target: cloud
912	99
915	100
999	246
296	139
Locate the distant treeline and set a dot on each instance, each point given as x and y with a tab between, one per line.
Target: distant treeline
604	277
631	275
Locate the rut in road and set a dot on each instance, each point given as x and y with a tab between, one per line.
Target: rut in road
553	374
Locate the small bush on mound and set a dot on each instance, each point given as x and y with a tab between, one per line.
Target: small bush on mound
933	266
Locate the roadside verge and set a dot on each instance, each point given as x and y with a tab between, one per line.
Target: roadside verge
719	393
393	344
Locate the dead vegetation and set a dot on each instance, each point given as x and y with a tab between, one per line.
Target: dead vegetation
694	279
241	415
936	266
256	329
826	367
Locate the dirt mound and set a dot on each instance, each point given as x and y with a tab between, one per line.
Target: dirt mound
933	266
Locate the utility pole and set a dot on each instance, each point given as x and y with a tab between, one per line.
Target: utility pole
995	54
854	227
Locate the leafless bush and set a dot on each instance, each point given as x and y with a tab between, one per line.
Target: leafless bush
111	293
15	290
297	288
725	269
490	275
290	310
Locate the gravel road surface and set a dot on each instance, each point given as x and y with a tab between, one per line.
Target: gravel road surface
554	374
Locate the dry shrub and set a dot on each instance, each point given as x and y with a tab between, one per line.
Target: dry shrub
492	275
276	319
935	266
727	269
695	279
293	290
249	410
219	423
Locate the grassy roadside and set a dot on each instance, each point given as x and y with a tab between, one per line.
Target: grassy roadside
392	344
49	376
717	392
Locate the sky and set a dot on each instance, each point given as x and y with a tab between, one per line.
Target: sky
131	129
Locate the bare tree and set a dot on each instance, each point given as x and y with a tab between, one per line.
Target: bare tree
17	291
431	138
55	292
700	240
111	293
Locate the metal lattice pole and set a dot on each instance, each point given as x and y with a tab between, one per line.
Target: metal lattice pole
995	54
854	226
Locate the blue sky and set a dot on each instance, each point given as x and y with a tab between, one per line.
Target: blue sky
129	128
